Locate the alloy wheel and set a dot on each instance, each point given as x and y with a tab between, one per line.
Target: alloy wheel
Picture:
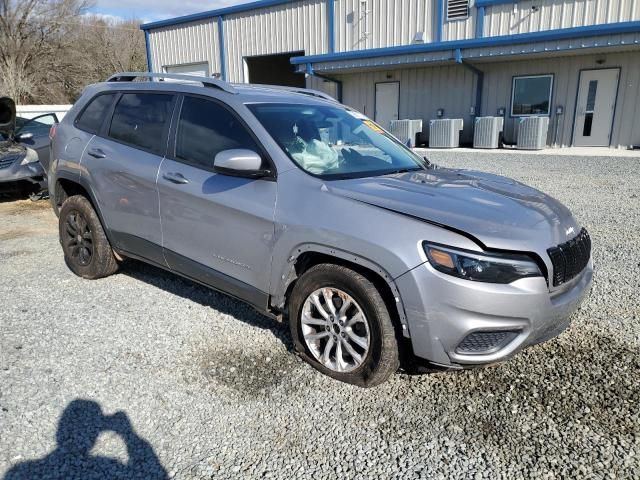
335	329
78	238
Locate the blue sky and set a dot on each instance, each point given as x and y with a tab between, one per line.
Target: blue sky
151	10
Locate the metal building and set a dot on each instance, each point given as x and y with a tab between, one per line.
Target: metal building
575	61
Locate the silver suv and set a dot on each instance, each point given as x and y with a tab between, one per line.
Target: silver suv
308	210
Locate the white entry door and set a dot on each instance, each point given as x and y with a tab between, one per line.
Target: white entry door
387	100
597	92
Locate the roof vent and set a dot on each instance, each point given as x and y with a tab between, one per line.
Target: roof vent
457	9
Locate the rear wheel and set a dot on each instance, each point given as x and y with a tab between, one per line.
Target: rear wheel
341	326
87	251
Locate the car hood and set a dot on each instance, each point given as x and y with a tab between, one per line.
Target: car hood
498	212
7	117
10	149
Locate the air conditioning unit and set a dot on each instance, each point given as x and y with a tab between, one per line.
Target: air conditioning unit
445	132
406	130
532	133
486	132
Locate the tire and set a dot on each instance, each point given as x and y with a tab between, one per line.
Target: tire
366	368
87	251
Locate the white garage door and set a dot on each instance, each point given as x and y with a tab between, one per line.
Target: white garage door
197	69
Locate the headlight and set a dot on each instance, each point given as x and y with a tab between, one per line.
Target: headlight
30	157
492	268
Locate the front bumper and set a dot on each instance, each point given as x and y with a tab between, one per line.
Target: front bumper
442	311
17	174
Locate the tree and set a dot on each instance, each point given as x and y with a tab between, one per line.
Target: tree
109	46
51	49
33	34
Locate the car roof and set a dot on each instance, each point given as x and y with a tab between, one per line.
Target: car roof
236	92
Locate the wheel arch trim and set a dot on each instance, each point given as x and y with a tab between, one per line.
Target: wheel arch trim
84	184
290	275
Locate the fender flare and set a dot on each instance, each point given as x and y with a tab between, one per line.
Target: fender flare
289	275
84	183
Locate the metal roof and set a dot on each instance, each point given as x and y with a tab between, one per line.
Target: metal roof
505	40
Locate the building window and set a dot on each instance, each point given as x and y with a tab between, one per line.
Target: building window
457	9
531	95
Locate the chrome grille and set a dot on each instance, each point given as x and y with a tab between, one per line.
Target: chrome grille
570	258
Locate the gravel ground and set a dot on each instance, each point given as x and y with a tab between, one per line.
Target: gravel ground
209	388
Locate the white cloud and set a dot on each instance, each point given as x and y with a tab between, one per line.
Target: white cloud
105	16
150	10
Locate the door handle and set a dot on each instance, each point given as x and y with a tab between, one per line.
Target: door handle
97	153
175	178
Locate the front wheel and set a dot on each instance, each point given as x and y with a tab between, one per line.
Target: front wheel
341	325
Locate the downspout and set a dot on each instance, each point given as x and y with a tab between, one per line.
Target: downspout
331	22
480	14
146	43
440	5
479	80
223	67
309	71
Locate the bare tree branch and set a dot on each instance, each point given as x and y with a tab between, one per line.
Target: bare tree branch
51	49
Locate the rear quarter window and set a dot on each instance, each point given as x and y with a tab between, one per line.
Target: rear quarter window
92	116
141	120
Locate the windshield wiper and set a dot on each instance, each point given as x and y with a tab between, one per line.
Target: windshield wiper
430	164
403	170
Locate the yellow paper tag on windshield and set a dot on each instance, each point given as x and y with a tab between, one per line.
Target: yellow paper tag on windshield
373	126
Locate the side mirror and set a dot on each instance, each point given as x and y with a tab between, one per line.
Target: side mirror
21	137
240	162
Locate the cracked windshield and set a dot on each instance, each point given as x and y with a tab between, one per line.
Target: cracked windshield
334	143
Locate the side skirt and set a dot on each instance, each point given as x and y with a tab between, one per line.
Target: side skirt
148	252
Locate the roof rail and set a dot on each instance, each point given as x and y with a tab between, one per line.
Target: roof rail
303	91
206	81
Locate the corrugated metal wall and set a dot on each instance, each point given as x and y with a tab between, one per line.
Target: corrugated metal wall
383	23
422	92
522	17
299	26
460	29
302	26
566	70
195	42
363	24
323	85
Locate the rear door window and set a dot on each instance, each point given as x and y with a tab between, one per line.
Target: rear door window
91	118
206	128
141	120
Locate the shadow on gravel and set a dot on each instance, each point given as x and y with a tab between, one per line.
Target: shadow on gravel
78	429
12	196
207	297
250	374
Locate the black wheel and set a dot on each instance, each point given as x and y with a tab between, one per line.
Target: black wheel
87	251
340	324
